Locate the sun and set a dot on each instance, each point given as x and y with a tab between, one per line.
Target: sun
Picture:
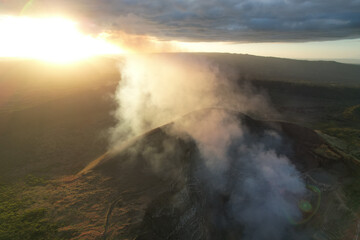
51	39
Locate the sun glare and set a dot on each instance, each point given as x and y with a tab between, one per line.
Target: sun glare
50	39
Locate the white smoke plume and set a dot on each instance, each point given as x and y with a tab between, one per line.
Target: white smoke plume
260	200
157	89
250	169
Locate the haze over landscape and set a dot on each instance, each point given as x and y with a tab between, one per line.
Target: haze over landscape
180	119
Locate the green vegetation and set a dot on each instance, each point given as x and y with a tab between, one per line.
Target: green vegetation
352	113
351	136
352	193
19	221
32	180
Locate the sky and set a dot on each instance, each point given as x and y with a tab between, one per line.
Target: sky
322	29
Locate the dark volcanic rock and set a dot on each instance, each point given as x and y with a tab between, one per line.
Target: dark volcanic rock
183	206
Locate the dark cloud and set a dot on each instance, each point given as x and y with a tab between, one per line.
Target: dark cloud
221	20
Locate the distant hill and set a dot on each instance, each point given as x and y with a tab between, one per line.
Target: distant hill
243	66
250	67
348	60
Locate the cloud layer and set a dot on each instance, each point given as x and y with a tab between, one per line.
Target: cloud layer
216	20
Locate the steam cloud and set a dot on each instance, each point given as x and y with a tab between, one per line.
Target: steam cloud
252	171
158	88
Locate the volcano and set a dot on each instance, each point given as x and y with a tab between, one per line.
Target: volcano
165	190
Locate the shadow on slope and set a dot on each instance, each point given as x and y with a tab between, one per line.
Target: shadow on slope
175	201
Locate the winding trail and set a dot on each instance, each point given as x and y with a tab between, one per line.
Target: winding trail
108	215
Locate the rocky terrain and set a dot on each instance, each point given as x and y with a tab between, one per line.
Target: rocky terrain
178	201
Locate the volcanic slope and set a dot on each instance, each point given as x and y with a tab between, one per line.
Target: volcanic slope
162	188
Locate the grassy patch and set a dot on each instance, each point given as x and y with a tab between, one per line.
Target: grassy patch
350	135
18	221
32	180
352	113
352	192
